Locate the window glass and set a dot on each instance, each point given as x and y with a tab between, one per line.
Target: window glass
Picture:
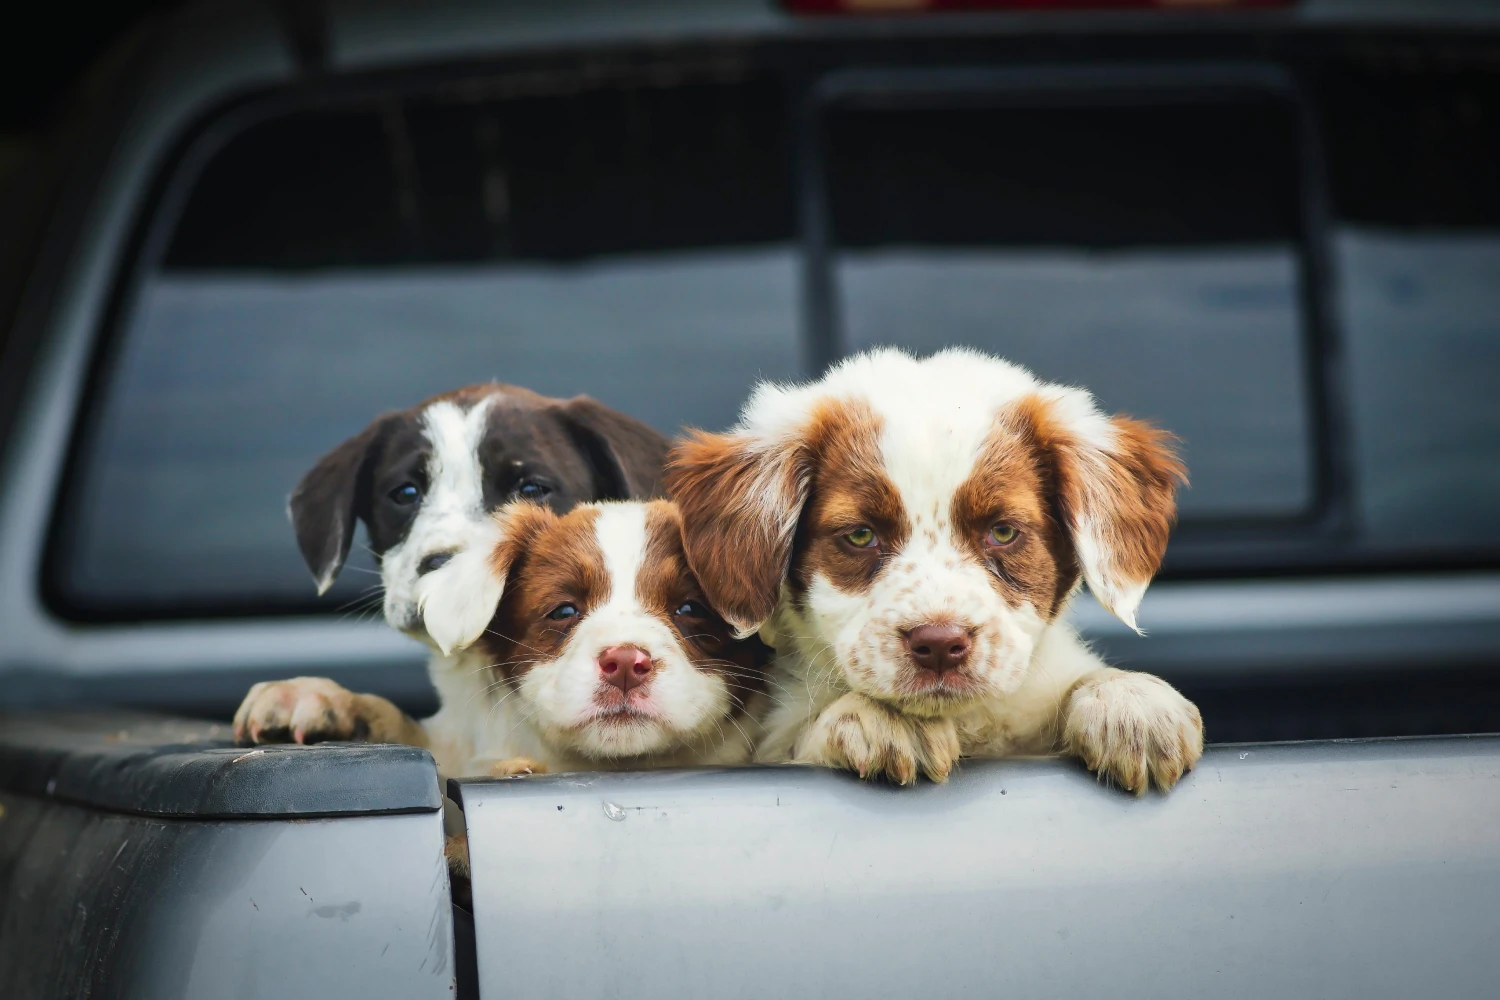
1422	321
1413	153
1147	254
631	245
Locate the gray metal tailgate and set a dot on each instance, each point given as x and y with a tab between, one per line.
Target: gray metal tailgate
1359	869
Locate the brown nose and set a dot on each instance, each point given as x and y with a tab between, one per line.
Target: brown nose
625	667
938	647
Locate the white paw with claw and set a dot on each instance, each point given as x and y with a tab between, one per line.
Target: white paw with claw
1132	729
859	734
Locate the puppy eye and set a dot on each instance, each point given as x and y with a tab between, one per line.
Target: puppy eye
1002	534
690	609
405	495
563	612
861	538
533	490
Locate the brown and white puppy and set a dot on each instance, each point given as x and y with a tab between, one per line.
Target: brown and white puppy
424	481
601	649
907	534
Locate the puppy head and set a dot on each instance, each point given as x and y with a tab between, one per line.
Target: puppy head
425	479
595	621
919	523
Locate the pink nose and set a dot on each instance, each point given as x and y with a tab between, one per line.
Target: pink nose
625	667
938	648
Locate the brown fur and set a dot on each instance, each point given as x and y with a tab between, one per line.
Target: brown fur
546	560
849	490
1129	493
1012	483
742	501
666	583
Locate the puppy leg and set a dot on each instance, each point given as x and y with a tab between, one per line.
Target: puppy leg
859	734
456	850
1132	728
316	710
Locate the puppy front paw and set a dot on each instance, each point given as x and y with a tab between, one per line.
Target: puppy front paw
513	767
859	734
1132	729
300	710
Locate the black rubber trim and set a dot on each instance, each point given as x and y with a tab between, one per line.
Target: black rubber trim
153	765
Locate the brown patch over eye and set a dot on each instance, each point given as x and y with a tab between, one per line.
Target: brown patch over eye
1003	513
557	567
667	588
854	516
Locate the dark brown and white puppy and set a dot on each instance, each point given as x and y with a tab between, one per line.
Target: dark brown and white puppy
601	648
907	534
424	481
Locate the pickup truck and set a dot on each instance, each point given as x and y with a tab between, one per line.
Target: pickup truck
1271	227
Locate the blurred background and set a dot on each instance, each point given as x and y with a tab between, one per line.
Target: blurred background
235	231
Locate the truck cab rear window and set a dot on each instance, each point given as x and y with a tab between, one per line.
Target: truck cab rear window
1149	254
631	244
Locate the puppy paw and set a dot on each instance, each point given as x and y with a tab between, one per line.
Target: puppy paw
300	710
513	767
1133	729
859	734
937	746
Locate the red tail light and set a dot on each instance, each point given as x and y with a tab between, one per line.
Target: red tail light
923	6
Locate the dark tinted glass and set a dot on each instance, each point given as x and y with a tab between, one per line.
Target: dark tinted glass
1146	253
632	245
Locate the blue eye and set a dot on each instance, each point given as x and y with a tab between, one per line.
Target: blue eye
533	491
563	612
405	494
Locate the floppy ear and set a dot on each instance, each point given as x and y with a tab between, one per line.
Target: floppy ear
740	500
626	455
1116	482
329	499
458	599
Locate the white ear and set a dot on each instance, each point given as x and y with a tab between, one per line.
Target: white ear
458	599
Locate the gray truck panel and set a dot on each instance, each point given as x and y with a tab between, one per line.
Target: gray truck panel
1349	869
107	905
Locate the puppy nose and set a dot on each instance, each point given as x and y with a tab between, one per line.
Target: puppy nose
625	667
938	647
432	561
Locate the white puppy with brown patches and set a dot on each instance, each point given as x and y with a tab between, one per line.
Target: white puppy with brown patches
598	642
907	534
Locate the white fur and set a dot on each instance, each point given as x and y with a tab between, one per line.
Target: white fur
936	414
457	600
551	714
452	512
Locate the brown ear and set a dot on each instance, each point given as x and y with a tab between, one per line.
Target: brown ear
626	455
459	598
740	502
1116	481
329	499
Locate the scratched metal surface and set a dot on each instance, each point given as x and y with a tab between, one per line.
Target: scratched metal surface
1360	869
106	905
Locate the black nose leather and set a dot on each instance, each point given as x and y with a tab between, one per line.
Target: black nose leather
432	562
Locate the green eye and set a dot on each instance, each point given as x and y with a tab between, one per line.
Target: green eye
861	538
1002	534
